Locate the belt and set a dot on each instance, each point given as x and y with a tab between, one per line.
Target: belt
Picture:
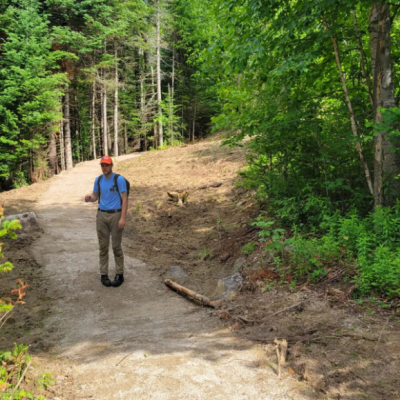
110	211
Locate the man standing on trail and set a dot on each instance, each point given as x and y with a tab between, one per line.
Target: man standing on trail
110	220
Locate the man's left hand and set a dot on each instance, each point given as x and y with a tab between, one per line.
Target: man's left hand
121	223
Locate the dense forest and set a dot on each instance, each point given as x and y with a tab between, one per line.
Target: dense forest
313	84
80	79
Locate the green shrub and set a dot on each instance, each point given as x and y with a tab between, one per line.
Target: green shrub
369	245
248	248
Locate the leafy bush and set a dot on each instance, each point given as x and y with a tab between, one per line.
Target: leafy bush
309	255
248	248
370	245
269	233
7	228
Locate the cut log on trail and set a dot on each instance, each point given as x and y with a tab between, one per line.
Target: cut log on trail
208	185
193	295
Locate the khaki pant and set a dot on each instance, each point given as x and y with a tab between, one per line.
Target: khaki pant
106	225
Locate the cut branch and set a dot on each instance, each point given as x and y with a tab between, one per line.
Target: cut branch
6	316
22	377
192	294
283	310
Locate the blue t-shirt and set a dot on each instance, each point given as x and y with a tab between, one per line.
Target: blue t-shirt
109	197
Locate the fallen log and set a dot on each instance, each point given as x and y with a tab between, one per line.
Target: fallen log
210	185
192	294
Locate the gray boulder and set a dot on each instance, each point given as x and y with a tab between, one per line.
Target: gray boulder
228	287
28	221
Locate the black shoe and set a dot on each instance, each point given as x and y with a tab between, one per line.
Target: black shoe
119	278
105	280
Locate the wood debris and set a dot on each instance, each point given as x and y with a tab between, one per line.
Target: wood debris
192	294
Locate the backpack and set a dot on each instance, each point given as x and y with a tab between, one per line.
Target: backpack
128	185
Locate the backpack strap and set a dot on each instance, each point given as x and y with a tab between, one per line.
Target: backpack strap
98	186
116	176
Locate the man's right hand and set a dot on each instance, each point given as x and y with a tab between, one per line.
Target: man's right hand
88	198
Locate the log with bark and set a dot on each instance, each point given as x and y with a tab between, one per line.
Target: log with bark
208	185
192	294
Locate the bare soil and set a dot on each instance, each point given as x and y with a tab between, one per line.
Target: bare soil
343	348
206	235
338	347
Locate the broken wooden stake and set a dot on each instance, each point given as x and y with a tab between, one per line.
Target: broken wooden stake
281	353
192	294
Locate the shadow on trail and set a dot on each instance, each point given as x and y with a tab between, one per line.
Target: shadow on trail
13	208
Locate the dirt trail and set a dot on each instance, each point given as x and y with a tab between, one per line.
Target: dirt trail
139	341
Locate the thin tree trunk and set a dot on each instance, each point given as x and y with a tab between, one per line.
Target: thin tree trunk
155	136
116	105
78	152
126	138
62	147
153	92
67	131
52	154
109	141
172	93
143	117
93	115
104	116
387	160
351	112
159	96
182	121
34	179
101	135
361	51
170	115
173	74
194	117
77	130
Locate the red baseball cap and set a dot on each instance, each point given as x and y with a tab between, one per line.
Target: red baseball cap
106	160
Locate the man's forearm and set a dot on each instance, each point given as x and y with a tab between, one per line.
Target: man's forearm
124	208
